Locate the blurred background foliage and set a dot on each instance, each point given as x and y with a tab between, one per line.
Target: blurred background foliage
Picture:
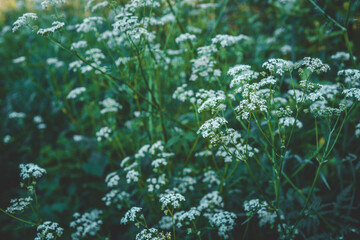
76	171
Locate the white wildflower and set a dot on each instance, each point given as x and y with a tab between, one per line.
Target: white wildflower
19	115
25	20
110	105
224	221
19	59
48	230
130	215
171	200
73	94
228	40
103	133
184	37
55	26
31	170
18	205
278	66
86	225
112	179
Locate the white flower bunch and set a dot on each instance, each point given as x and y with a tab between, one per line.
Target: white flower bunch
132	176
31	170
73	94
241	74
171	200
228	40
341	56
103	134
19	115
224	221
156	183
48	230
184	95
78	45
19	60
87	224
184	37
278	66
186	217
352	93
289	122
55	27
131	215
110	105
152	234
185	183
312	65
54	3
18	205
115	197
210	128
211	200
210	177
99	5
352	76
54	62
89	24
255	206
112	179
25	20
210	100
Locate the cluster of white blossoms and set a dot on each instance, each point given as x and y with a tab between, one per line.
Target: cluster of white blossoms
103	134
115	197
31	170
241	74
204	64
357	130
261	208
18	205
54	3
100	5
278	66
19	60
19	115
131	215
211	200
78	45
171	200
39	121
112	179
211	178
89	24
49	230
210	129
289	122
54	62
186	217
184	37
55	27
352	77
341	56
76	92
152	234
25	20
224	221
156	183
312	65
86	225
110	105
183	95
210	100
228	40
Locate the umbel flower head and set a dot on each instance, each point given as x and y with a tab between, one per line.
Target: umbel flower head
25	20
31	170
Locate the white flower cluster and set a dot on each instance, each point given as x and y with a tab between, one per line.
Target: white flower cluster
49	231
352	93
171	200
110	105
112	179
184	37
115	197
357	130
152	234
40	122
228	40
184	95
186	217
211	200
131	215
289	122
312	65
210	177
156	183
103	133
86	225
18	205
278	66
79	45
210	128
20	115
25	20
255	206
73	94
99	6
31	170
55	26
19	60
352	76
55	3
89	24
341	56
210	100
224	221
185	183
241	74
54	62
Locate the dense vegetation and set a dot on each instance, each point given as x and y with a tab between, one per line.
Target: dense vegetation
180	119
